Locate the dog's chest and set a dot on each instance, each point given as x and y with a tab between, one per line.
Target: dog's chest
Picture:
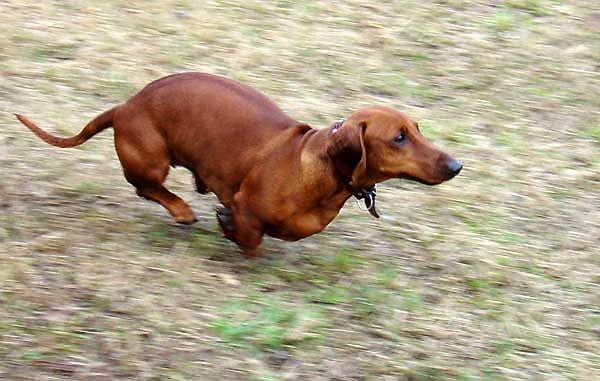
302	224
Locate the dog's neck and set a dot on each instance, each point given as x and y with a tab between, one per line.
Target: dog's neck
335	181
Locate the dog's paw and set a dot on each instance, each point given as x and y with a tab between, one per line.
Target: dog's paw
223	210
186	220
225	219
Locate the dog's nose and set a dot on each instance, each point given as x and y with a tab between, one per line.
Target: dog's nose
454	167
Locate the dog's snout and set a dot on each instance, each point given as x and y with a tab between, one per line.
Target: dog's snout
454	167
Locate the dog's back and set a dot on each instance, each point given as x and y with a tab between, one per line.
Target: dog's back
200	114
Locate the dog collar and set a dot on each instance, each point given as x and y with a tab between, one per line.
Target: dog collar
368	194
336	125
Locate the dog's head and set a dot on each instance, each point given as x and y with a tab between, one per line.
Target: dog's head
379	143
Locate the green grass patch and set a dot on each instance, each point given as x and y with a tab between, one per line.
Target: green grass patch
411	301
457	134
265	323
366	301
34	355
510	237
88	187
386	277
330	267
540	91
510	140
160	237
388	84
60	52
204	243
593	133
535	7
502	21
344	261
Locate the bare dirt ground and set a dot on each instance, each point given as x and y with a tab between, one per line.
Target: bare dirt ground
494	275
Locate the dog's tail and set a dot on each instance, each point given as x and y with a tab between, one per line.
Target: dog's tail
96	125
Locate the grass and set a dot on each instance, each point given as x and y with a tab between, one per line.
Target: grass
492	276
593	133
267	325
502	21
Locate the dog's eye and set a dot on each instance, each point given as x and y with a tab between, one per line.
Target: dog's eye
400	138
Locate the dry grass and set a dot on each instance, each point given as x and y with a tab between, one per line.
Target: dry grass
492	276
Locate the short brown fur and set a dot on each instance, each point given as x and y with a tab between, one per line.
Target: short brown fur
272	174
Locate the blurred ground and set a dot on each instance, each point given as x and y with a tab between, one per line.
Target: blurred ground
492	276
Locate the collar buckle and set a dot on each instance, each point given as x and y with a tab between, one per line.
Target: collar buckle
336	125
368	194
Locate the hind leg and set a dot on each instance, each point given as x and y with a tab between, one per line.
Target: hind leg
179	209
146	165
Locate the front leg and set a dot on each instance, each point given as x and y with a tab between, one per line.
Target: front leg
242	227
225	221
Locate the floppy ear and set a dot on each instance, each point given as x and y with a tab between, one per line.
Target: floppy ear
347	149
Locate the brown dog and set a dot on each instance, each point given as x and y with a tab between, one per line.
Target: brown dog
273	174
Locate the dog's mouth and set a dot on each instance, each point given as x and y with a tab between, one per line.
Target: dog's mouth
450	170
420	180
